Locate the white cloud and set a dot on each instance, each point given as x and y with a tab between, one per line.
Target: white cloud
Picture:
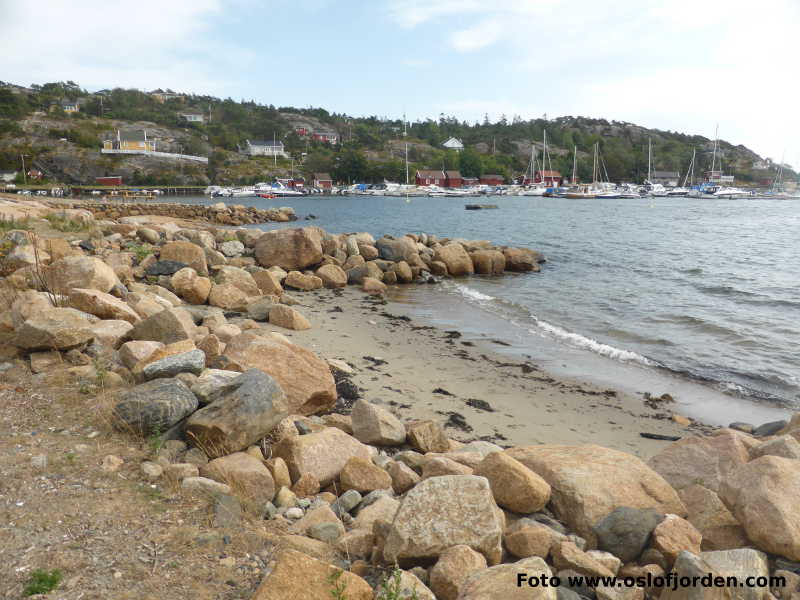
147	43
677	64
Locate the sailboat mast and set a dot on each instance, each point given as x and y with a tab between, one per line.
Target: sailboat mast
714	156
649	157
405	133
574	164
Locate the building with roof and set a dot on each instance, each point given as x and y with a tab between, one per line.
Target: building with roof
666	177
491	179
192	116
264	148
453	179
453	144
70	106
429	177
548	178
329	137
323	181
162	96
132	140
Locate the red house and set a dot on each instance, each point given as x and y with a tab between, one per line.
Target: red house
549	178
323	181
453	179
429	178
492	180
110	180
329	137
468	181
301	131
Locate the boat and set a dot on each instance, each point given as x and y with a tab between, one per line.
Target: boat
479	206
536	188
732	193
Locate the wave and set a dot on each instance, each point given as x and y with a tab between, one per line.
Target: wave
473	294
581	341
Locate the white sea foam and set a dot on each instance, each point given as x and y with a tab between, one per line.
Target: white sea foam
580	341
471	294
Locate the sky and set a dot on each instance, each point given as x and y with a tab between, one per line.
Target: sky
680	65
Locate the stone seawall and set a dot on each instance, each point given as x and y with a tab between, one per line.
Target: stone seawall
236	214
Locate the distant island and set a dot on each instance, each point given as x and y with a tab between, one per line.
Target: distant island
62	133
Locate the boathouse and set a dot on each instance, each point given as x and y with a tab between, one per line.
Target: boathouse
548	178
492	179
429	178
666	177
323	181
453	179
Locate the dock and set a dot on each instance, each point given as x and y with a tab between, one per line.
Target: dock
479	206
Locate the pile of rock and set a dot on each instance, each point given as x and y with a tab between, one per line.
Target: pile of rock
224	214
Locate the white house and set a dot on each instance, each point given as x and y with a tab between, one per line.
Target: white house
453	144
264	148
192	117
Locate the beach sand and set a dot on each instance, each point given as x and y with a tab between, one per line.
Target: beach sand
421	372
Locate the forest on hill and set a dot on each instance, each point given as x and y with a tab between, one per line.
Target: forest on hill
33	123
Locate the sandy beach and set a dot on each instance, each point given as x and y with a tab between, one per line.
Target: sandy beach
419	371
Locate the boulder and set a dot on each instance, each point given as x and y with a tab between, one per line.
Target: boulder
247	477
356	543
521	259
403	272
567	556
232	248
297	575
163	267
395	250
299	281
719	528
288	318
692	566
376	426
192	361
111	333
674	535
704	460
155	406
530	539
258	309
228	297
55	329
332	276
131	353
356	274
463	510
245	410
383	509
268	283
456	258
187	253
213	384
304	377
514	486
427	436
437	466
451	570
625	532
762	495
784	445
488	262
361	475
588	482
373	287
501	582
85	272
403	477
239	278
322	454
290	249
102	305
190	286
746	565
166	326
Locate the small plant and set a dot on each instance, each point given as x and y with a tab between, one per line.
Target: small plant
141	251
338	588
155	442
392	587
42	582
71	457
101	372
64	223
12	223
230	237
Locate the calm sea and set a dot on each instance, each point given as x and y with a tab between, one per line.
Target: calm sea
656	292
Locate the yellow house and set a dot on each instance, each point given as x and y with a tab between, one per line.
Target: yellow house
131	140
70	106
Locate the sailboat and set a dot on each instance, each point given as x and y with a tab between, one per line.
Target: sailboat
689	178
577	192
536	189
653	189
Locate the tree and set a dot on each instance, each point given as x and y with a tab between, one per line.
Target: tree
470	163
351	165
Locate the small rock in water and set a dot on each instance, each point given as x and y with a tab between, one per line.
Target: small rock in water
739	426
769	428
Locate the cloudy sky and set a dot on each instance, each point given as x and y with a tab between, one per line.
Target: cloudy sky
682	65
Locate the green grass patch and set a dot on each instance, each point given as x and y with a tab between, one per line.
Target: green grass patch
64	223
11	224
42	582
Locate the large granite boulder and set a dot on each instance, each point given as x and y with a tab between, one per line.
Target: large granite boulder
244	410
377	426
456	258
154	407
522	259
192	361
705	460
501	582
239	278
102	305
187	253
762	495
514	486
55	329
304	377
719	528
247	476
322	454
290	249
190	286
588	482
395	249
626	531
442	512
488	262
332	276
166	326
87	272
454	566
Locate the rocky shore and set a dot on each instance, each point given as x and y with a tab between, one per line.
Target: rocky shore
229	353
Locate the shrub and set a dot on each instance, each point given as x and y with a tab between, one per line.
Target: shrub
42	582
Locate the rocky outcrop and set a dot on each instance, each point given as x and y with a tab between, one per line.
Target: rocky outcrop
290	249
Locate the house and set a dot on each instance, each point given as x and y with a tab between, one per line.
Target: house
762	165
548	178
323	181
470	181
429	178
162	96
329	137
666	177
453	179
135	140
302	130
264	148
70	106
718	178
109	180
192	116
492	179
8	176
453	144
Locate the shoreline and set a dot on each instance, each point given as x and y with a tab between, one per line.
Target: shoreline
420	371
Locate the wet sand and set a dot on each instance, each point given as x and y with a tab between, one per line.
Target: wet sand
419	371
